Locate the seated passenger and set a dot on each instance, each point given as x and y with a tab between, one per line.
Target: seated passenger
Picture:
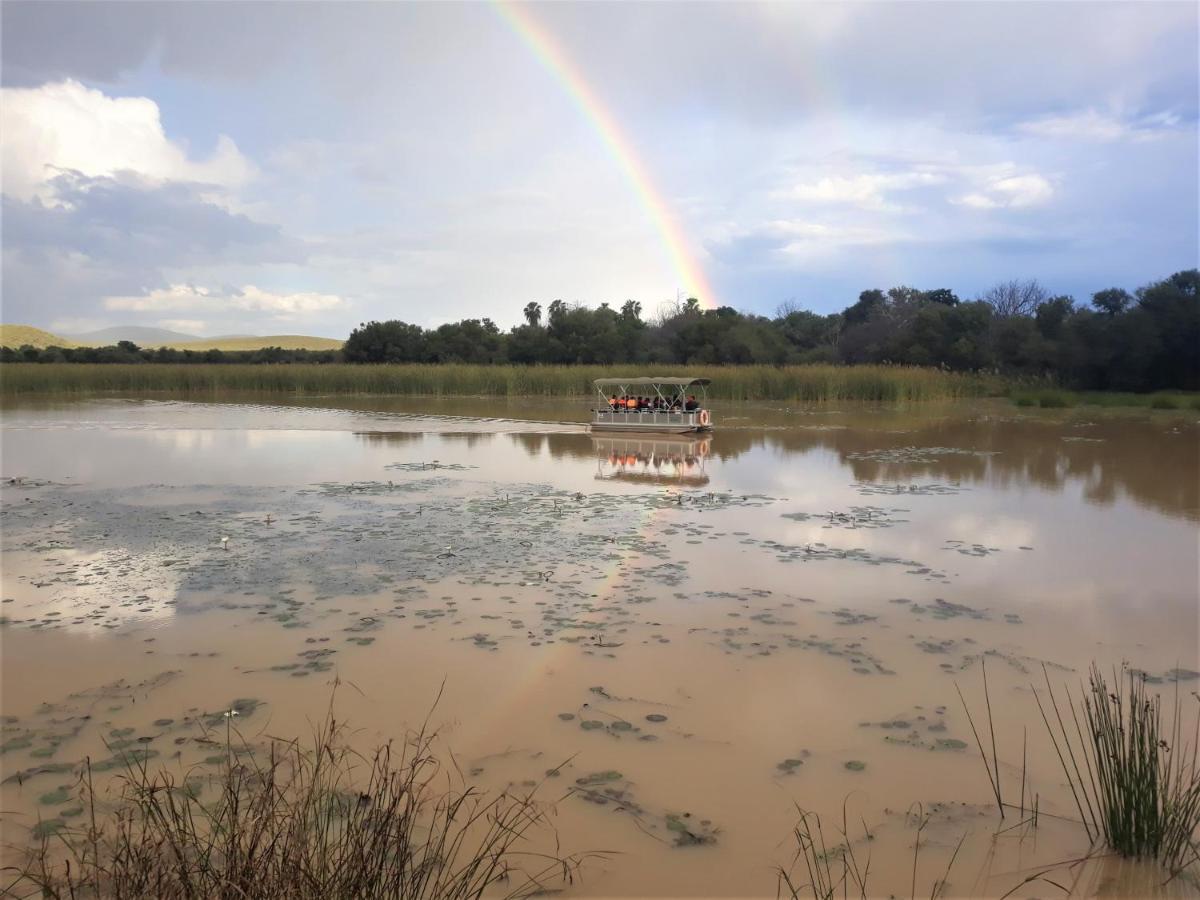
691	404
613	402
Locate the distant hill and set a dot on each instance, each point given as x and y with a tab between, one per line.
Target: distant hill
286	341
20	335
139	334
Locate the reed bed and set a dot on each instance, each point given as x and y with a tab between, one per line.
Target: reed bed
299	821
1050	398
806	384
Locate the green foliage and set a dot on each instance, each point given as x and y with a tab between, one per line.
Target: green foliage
1127	343
815	383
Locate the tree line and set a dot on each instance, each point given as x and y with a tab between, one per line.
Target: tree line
1145	340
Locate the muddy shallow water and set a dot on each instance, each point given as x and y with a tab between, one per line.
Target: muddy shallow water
712	633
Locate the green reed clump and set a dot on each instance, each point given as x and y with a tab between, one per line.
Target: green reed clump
806	384
1135	783
315	821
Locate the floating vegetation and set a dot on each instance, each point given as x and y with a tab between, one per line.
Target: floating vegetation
854	765
945	609
918	489
431	465
854	517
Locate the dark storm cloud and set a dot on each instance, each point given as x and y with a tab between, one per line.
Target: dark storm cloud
113	236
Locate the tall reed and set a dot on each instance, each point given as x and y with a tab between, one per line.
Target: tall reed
812	383
316	821
1135	783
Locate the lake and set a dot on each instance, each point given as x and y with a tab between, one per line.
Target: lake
681	643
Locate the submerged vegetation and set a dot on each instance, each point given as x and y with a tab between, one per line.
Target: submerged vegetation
813	383
296	821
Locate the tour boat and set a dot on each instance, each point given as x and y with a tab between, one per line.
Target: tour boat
609	417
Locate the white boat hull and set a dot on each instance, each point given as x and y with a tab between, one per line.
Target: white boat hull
651	422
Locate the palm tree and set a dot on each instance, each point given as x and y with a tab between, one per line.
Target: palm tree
691	305
533	314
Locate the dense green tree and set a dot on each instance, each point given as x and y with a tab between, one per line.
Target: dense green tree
1113	301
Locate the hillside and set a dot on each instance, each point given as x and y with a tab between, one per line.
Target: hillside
20	335
286	341
139	334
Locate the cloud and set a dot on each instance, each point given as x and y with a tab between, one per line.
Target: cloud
67	127
248	299
118	236
1010	192
1091	125
865	190
126	219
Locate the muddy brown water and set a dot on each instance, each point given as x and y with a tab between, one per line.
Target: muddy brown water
800	591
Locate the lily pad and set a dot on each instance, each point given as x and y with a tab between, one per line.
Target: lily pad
599	778
590	724
855	765
47	827
59	795
951	744
656	717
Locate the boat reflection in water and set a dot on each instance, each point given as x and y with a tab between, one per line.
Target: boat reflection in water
658	460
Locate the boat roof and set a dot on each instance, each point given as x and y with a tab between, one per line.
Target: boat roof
648	380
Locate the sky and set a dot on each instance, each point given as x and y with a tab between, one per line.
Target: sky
269	168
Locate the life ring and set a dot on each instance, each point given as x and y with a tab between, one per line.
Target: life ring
704	417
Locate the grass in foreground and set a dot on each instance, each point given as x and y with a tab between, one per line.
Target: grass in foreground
816	383
305	822
1135	783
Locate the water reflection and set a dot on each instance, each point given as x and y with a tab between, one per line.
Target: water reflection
659	460
1157	464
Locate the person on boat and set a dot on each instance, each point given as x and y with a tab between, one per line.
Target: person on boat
613	402
691	404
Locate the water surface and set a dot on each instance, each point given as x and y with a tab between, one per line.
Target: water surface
798	592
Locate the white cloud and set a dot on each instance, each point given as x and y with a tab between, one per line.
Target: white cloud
67	126
1092	125
1010	192
864	190
193	298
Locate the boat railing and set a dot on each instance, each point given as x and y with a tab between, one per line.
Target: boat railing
645	417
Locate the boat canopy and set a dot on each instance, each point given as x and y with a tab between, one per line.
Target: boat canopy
644	381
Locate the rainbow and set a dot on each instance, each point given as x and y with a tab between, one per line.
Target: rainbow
519	18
